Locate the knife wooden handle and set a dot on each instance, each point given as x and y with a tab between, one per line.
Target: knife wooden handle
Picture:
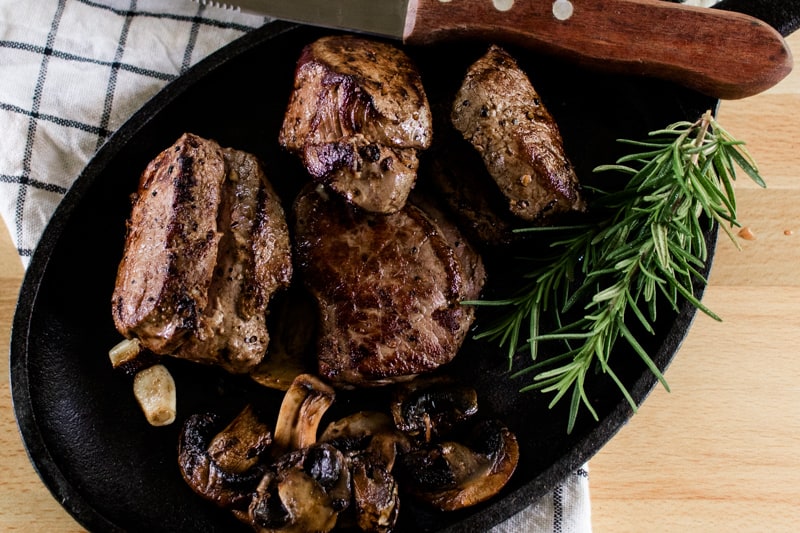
720	53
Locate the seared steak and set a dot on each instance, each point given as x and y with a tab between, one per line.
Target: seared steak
357	116
207	246
500	113
454	172
388	287
375	177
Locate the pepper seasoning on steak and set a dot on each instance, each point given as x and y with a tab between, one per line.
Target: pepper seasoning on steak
500	113
357	118
388	287
206	248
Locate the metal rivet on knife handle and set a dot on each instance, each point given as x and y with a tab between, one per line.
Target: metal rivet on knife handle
503	5
562	9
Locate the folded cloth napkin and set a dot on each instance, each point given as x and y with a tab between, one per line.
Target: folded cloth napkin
73	71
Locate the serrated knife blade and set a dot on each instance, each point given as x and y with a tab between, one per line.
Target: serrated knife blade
720	53
378	17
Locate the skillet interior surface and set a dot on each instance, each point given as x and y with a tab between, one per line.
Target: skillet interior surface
81	425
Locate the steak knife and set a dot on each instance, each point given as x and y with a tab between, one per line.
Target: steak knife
720	53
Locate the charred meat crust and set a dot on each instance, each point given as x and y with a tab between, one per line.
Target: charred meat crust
373	176
253	262
472	274
207	247
500	113
357	117
388	288
346	85
171	245
454	172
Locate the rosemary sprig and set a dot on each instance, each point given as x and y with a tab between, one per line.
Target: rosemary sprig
647	246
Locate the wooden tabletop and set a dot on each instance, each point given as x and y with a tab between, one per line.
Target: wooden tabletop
719	452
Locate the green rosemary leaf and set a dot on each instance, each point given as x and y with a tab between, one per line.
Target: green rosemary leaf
721	168
633	306
673	129
746	165
533	332
660	244
643	156
618	168
625	394
574	405
543	229
643	354
686	255
686	293
536	367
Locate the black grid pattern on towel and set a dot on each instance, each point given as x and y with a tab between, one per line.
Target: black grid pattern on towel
55	70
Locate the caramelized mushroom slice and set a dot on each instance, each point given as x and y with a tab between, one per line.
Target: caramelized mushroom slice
305	491
376	503
241	445
224	467
303	406
432	406
451	476
357	426
371	443
372	432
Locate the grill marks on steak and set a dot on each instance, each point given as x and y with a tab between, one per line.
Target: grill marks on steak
357	117
170	249
500	113
253	262
388	288
207	246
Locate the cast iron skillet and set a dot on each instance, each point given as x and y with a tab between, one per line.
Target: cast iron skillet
79	421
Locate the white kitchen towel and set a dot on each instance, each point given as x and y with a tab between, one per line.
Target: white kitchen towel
73	71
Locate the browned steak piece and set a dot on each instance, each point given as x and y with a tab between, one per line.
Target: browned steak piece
357	116
171	246
375	177
388	287
456	174
500	113
472	272
207	246
253	261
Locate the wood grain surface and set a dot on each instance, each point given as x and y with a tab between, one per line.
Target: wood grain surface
719	452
